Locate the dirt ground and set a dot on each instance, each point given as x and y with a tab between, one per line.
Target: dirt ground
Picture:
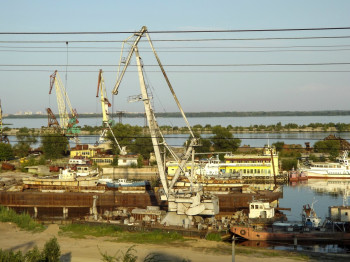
12	238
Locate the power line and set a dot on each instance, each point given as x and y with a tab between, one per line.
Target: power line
181	31
189	71
182	51
177	40
185	65
180	47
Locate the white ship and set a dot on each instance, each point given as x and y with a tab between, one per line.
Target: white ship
328	170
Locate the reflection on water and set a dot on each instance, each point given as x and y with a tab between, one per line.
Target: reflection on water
340	248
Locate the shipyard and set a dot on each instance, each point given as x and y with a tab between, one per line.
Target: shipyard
174	131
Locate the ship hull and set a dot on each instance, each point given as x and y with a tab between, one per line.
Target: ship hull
250	234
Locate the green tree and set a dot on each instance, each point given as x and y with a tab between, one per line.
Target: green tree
331	147
54	145
142	145
278	145
6	152
26	139
223	140
33	255
139	161
289	164
132	138
52	251
204	145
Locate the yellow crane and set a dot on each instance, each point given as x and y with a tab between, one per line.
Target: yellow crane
68	120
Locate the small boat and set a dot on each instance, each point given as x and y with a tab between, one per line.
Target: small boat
309	217
296	176
122	182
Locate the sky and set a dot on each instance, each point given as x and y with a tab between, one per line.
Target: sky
215	71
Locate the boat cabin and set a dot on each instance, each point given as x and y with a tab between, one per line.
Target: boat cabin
260	209
339	213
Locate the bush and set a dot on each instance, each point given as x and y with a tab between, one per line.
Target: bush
213	237
51	253
23	221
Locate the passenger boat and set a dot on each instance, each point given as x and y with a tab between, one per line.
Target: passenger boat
330	170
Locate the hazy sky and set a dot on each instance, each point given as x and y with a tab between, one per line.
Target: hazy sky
231	79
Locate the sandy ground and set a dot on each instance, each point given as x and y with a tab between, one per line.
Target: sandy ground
89	249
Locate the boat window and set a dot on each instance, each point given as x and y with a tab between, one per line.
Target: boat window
252	206
256	207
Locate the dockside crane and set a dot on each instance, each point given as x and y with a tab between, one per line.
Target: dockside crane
106	122
3	138
68	121
180	203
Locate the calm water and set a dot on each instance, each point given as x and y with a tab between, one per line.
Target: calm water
223	121
254	140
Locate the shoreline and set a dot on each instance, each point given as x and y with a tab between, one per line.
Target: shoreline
90	248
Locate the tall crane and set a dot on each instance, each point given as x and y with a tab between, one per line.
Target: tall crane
68	121
106	122
188	203
3	138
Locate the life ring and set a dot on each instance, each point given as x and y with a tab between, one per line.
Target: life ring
242	232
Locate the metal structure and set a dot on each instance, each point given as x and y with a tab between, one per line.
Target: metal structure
3	138
186	203
106	122
52	120
68	121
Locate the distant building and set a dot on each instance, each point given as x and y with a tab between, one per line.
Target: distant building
252	166
127	160
84	151
103	160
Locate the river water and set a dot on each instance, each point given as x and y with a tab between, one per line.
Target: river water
254	140
322	193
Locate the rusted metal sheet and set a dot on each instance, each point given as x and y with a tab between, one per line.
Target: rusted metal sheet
112	199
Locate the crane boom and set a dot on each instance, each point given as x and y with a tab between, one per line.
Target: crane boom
190	203
105	104
68	121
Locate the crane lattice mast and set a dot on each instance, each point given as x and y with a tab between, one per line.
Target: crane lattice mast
183	203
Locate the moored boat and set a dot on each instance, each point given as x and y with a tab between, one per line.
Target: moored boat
125	183
310	228
330	170
288	232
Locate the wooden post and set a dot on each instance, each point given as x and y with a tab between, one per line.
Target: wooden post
65	212
233	248
35	212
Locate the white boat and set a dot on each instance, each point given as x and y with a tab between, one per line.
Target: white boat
211	167
330	170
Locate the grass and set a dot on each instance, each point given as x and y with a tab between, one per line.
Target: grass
155	237
23	221
213	237
83	230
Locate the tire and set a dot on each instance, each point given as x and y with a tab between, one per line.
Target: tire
242	232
